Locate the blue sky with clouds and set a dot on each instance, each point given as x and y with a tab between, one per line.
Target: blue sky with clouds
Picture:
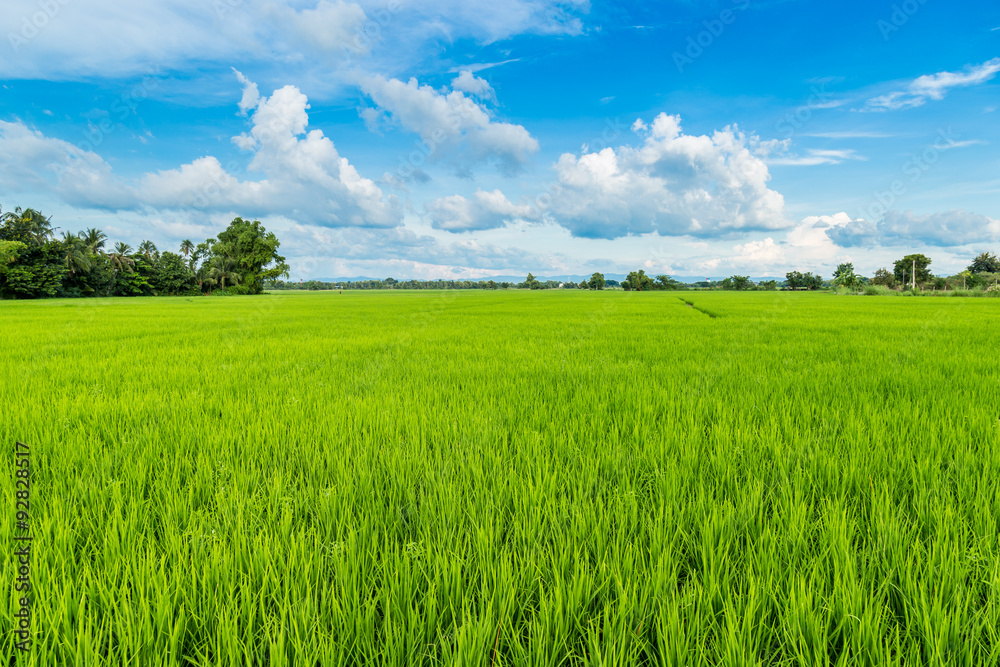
471	138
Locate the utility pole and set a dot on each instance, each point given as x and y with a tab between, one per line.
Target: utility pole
914	275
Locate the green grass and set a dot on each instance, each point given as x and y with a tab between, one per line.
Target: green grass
513	478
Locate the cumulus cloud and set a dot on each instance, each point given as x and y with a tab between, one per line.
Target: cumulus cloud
303	174
933	87
32	162
486	210
413	254
945	229
673	183
452	125
467	82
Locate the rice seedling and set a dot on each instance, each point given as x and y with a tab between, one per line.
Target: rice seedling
507	478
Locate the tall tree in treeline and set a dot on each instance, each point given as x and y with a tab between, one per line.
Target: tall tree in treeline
33	265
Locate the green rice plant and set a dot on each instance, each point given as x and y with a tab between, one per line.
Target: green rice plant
506	478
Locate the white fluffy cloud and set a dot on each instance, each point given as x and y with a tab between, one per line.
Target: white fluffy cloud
451	125
673	184
303	173
933	87
945	229
33	162
467	82
485	210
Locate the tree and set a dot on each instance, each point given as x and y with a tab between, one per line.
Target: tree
120	262
254	251
666	283
531	282
75	254
187	247
985	262
171	275
94	239
26	226
148	250
597	281
903	269
38	271
797	280
883	277
638	281
845	276
737	283
223	268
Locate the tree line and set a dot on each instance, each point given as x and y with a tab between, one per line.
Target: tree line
35	263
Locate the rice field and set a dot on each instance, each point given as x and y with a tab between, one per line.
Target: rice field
508	478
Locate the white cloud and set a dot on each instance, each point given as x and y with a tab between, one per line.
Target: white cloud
451	125
933	87
816	157
65	40
467	82
765	252
673	183
485	210
251	94
303	173
60	40
944	229
29	160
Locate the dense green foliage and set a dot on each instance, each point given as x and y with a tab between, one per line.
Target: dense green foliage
903	269
508	478
34	264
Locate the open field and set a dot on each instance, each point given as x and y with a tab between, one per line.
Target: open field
507	478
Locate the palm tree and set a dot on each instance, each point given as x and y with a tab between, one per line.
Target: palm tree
36	228
204	277
224	268
120	262
148	248
94	240
75	254
187	247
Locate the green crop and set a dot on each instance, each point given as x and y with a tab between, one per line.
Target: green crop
506	478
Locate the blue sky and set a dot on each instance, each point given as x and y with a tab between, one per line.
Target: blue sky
471	138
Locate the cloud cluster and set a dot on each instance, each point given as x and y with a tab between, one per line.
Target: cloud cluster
64	39
452	126
933	87
673	183
485	210
303	174
945	229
